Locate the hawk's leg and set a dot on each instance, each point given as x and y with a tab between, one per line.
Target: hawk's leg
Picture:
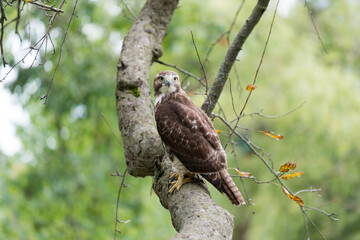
180	180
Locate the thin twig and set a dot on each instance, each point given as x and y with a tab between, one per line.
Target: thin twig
2	19
129	9
202	66
46	7
313	23
232	100
312	223
276	116
112	131
117	203
60	51
308	190
330	215
182	70
227	33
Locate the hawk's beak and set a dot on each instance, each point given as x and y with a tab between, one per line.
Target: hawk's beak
168	80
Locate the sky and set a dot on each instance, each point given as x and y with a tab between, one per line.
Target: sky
11	111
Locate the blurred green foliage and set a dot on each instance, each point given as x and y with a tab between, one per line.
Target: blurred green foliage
59	185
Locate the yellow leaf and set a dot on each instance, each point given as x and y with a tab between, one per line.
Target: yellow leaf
243	174
277	137
190	93
287	166
250	87
292	197
217	131
292	175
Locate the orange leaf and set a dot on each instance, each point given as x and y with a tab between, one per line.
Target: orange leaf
243	174
277	137
250	87
190	93
218	131
287	166
292	197
292	175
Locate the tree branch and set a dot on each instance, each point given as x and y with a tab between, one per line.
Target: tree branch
193	212
140	48
231	55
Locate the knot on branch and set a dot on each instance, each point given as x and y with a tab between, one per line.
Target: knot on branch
130	86
157	52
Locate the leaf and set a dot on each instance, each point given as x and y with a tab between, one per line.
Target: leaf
287	166
243	174
277	137
218	131
190	93
292	197
292	175
250	87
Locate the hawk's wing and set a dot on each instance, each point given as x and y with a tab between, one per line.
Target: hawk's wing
190	135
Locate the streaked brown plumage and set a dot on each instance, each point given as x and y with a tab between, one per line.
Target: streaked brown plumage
190	136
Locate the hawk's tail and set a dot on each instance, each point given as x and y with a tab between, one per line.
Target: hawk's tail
224	183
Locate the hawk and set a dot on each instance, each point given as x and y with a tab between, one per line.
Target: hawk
190	138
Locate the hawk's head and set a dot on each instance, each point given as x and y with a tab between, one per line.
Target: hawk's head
166	82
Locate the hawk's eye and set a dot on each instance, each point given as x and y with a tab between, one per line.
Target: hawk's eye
176	78
161	78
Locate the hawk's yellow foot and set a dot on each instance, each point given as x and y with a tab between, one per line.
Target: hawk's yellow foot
179	181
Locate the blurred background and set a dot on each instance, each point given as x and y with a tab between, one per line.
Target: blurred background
56	159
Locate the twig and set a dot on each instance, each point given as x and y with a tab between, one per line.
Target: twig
312	223
330	215
117	203
129	9
227	33
308	190
313	23
2	19
46	7
61	48
232	100
202	66
277	116
182	70
112	131
231	55
306	225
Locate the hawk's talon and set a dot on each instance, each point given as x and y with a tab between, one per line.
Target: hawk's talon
179	181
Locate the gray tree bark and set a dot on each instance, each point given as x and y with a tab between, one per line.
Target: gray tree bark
193	212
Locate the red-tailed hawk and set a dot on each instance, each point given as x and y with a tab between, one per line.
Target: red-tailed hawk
190	138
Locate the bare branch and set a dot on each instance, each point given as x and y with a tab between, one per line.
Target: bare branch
117	203
231	55
202	66
129	9
2	20
112	131
313	23
46	7
330	215
277	116
181	70
60	52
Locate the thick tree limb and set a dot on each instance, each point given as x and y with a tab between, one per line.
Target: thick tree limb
229	60
134	105
194	214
